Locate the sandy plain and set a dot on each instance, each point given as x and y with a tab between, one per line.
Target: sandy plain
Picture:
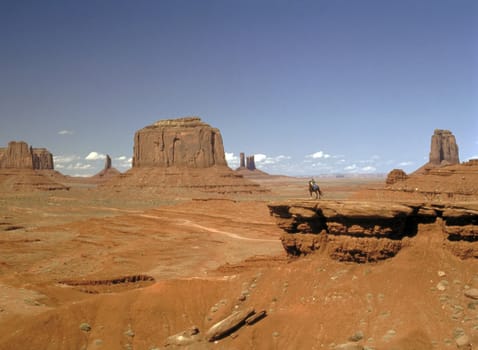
97	269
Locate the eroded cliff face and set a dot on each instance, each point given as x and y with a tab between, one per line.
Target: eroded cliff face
371	231
184	142
443	149
18	155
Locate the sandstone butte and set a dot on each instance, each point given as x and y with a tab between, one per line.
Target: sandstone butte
18	155
182	157
24	168
184	142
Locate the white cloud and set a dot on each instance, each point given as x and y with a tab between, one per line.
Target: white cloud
66	132
79	166
123	163
65	159
368	169
95	156
350	167
319	155
232	160
230	157
406	163
259	157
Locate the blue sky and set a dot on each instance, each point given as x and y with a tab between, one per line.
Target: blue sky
309	87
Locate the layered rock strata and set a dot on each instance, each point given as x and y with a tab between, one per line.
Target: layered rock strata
184	142
182	158
370	231
444	149
18	155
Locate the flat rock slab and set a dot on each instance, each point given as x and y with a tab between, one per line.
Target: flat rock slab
229	324
472	293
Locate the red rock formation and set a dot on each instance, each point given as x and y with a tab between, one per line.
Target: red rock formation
242	164
185	142
395	175
371	231
42	158
444	149
19	156
251	163
108	171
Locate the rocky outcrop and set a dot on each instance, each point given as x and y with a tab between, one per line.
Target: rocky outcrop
242	163
108	171
251	163
18	155
444	149
42	159
370	231
184	143
396	175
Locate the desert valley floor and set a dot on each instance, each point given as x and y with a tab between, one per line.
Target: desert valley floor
93	268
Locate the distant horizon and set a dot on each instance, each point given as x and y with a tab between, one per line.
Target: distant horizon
308	87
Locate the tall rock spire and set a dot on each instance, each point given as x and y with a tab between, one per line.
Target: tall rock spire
444	149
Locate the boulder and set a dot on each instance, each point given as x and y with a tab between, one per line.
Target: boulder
186	337
472	293
183	143
229	324
444	149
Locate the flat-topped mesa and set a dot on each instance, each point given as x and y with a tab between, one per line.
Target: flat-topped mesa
18	155
444	149
185	142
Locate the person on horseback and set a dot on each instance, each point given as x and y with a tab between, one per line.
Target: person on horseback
314	188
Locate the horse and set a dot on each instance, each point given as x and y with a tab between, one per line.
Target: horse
314	188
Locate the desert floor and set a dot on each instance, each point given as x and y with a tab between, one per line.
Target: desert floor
92	269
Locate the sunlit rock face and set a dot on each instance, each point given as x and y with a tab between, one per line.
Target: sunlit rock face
371	231
184	143
18	155
444	149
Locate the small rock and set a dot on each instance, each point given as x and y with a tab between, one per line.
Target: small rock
187	337
348	346
129	333
356	337
256	317
441	286
85	327
471	293
463	342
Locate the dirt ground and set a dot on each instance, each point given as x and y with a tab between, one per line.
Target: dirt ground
92	269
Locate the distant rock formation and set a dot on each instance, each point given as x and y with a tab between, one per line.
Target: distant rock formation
396	175
444	149
251	163
184	143
248	162
18	155
182	158
108	162
242	163
108	171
